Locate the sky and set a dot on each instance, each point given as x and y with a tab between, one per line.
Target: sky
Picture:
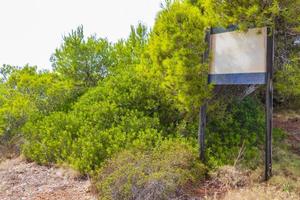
30	30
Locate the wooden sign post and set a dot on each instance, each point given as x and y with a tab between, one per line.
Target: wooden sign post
242	58
269	105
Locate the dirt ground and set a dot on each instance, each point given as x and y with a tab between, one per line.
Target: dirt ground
291	124
21	180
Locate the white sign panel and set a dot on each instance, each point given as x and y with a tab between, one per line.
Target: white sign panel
239	57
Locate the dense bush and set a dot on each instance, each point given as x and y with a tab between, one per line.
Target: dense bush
84	143
124	111
27	95
236	133
50	139
176	48
240	126
15	111
47	91
121	112
93	146
156	174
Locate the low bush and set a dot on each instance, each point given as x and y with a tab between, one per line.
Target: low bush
155	174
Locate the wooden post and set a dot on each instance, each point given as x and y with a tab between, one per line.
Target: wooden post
269	105
202	111
201	133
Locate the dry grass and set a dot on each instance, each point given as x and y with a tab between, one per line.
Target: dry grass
287	114
241	185
8	152
230	183
10	148
221	181
230	177
260	192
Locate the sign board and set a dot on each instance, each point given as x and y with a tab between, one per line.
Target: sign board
241	58
238	57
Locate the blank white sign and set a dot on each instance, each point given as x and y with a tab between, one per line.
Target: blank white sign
239	52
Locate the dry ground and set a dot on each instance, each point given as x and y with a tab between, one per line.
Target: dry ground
290	122
21	180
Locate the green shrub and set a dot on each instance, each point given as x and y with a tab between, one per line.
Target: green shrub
237	129
156	174
287	85
241	125
176	48
129	89
94	145
28	95
47	91
85	141
50	139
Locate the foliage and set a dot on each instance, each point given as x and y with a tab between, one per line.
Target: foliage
287	55
236	134
5	71
129	89
51	139
27	95
155	174
86	141
119	113
176	48
246	14
237	127
14	112
287	84
46	90
94	145
85	61
127	53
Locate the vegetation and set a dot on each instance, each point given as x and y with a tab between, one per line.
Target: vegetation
127	112
156	174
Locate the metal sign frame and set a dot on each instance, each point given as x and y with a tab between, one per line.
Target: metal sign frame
268	102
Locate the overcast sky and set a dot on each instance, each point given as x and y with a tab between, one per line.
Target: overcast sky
30	30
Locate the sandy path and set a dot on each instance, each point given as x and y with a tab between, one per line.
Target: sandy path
20	180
